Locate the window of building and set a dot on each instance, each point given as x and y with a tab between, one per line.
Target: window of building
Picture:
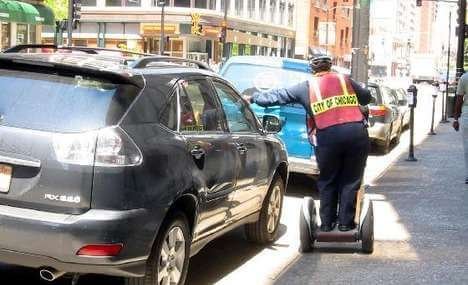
5	35
21	34
89	3
262	7
251	8
201	4
212	4
282	9
290	15
182	3
346	35
272	10
316	23
32	34
341	37
123	3
239	6
334	10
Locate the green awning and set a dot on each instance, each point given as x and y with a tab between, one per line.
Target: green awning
19	12
46	15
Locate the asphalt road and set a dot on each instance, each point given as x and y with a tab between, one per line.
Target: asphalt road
232	260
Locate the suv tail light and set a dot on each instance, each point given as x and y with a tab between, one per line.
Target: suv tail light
108	147
101	250
378	111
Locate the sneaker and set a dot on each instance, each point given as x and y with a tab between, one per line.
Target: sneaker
327	227
345	228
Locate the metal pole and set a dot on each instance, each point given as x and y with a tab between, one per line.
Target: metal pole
360	41
445	95
225	51
161	41
413	91
70	23
432	132
411	147
461	37
326	32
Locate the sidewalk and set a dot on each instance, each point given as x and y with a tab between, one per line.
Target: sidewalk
421	224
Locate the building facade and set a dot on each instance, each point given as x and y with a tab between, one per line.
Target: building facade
22	22
330	29
192	28
393	37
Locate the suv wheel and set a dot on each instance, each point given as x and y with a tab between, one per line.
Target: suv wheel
168	262
266	228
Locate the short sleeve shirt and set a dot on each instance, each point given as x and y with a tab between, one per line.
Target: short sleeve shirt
462	88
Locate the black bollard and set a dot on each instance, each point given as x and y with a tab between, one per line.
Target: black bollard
412	99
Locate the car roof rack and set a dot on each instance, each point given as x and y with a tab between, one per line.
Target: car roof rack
89	50
145	62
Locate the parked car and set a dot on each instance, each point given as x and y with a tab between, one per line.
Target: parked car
258	73
129	170
385	117
403	107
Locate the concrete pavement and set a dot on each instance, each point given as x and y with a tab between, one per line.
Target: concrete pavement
421	226
232	260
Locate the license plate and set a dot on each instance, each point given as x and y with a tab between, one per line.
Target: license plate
5	178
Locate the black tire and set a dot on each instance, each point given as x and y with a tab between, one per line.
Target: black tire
177	220
258	232
306	241
367	231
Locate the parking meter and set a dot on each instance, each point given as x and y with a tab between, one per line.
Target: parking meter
412	96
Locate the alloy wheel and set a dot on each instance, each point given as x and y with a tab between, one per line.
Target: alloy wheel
274	209
172	257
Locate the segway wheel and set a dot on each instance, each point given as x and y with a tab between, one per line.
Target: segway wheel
367	231
306	241
307	225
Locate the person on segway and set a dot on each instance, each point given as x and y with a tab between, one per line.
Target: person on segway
338	130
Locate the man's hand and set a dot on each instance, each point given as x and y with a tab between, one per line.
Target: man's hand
456	125
247	98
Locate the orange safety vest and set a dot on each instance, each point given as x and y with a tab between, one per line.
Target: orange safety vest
333	101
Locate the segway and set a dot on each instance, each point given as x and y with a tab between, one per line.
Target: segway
364	231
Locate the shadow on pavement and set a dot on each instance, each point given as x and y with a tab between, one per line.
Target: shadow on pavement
302	185
420	237
224	255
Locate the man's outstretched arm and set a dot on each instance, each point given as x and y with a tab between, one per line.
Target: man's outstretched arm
294	94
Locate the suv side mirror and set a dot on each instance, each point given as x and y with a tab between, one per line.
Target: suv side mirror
271	124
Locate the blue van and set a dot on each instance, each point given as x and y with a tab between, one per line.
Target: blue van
259	73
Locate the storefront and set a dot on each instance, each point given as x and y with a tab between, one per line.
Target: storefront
21	23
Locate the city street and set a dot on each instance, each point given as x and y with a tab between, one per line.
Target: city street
405	240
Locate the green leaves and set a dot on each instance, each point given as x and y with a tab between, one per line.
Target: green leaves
60	8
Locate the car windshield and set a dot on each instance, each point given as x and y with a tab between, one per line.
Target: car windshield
249	78
49	102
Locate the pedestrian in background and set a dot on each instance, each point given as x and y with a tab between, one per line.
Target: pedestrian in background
332	103
462	110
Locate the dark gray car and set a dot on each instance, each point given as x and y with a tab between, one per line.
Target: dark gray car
128	171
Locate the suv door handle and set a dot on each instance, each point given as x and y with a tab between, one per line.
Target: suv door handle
197	152
241	148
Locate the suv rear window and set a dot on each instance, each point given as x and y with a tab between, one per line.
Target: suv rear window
50	102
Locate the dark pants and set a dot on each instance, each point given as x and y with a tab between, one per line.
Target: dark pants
341	153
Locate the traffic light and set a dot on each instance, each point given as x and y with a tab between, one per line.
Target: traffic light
419	3
76	12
